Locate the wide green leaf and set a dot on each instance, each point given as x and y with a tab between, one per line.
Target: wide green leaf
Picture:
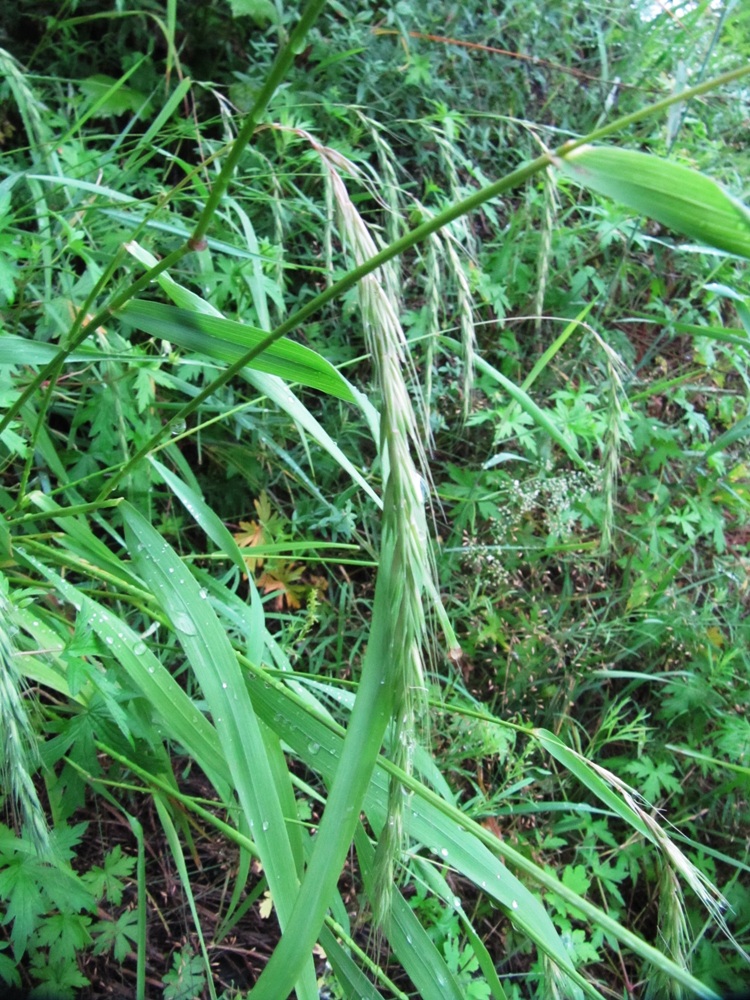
275	388
227	340
675	195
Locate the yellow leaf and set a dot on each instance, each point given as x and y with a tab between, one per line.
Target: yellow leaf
266	905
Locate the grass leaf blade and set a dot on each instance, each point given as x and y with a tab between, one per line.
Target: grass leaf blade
673	194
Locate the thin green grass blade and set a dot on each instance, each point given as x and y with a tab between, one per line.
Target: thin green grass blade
471	849
580	767
412	946
204	516
675	195
134	220
556	346
349	976
741	769
227	340
240	734
141	945
542	362
176	848
484	959
15	350
729	335
88	187
729	437
104	95
520	396
256	280
146	141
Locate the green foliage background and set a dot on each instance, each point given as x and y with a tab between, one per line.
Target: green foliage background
190	563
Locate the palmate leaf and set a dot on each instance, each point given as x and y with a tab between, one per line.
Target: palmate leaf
24	904
675	195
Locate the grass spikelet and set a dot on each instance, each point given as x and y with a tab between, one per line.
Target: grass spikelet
404	550
30	108
389	188
673	932
466	321
443	263
617	433
18	757
545	248
678	862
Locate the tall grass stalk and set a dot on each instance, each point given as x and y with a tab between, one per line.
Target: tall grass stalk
404	557
18	753
392	687
673	931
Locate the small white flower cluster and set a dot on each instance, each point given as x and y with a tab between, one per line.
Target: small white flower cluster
559	496
553	500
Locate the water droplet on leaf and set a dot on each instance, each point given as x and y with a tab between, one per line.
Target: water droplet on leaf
184	623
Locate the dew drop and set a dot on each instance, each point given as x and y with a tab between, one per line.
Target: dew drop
313	748
514	904
203	593
266	825
224	685
444	851
139	648
184	623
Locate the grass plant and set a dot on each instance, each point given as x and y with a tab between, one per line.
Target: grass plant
172	298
